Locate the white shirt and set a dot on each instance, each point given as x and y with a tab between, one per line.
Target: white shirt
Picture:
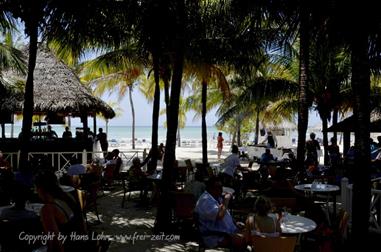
230	165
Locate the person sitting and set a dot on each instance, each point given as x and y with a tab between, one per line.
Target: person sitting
196	186
265	161
117	161
17	212
67	133
60	213
216	225
15	219
261	223
76	168
136	176
266	157
137	180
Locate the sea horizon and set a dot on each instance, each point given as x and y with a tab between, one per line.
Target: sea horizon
124	132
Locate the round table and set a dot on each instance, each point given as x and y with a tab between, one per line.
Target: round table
321	188
295	224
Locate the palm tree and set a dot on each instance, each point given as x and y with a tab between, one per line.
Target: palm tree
116	70
11	58
32	15
207	74
183	109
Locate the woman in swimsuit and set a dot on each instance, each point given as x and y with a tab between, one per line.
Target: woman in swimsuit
220	145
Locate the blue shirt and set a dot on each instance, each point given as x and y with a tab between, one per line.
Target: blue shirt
207	209
230	165
265	158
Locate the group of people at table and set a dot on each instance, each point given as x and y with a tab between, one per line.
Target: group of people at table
61	213
33	202
36	200
216	224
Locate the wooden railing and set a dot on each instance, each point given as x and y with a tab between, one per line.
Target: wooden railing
61	160
375	204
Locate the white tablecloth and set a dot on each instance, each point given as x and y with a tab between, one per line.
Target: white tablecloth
321	188
295	224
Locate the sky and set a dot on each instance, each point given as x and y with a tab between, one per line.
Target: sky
143	109
143	113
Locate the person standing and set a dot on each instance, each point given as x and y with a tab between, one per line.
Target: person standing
229	167
220	145
102	138
312	146
67	133
270	139
51	133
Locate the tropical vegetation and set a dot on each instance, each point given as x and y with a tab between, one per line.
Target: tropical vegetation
269	53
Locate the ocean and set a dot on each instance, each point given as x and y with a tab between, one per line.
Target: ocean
142	133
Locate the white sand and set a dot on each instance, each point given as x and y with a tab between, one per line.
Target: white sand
182	153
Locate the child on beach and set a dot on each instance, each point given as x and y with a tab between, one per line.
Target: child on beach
220	140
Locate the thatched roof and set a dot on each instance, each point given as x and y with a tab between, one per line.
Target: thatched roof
57	89
348	124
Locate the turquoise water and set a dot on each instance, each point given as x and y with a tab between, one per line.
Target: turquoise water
120	133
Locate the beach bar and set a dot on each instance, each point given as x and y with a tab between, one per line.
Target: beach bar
58	96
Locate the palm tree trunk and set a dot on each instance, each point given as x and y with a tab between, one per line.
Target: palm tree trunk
178	138
325	138
256	128
303	87
203	124
3	130
335	117
28	96
166	77
163	216
132	115
156	110
238	132
361	111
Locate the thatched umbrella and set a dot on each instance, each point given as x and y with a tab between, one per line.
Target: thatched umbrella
57	89
348	125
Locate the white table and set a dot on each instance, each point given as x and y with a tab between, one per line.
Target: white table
295	224
321	188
